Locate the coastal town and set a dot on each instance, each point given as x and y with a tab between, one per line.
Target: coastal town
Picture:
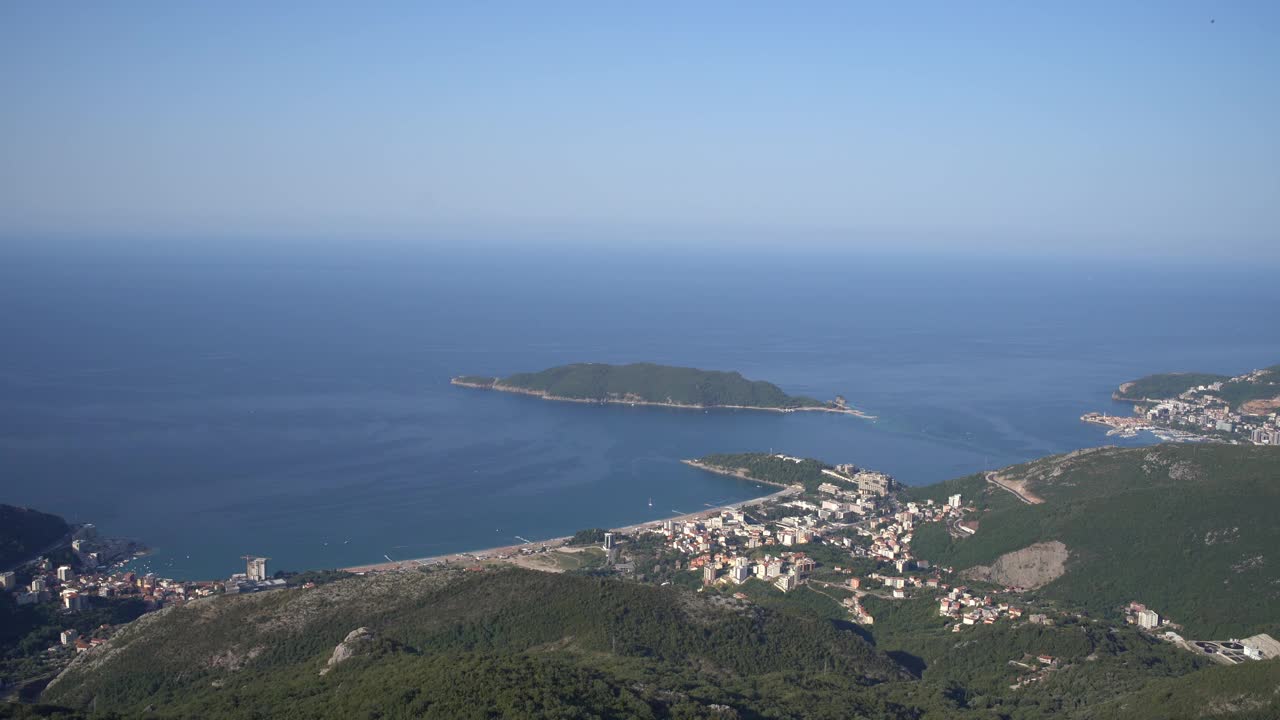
86	589
840	536
848	539
1202	412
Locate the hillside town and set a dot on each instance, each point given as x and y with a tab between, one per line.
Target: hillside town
854	519
81	591
1201	413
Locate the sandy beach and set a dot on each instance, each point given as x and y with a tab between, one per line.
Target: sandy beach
495	553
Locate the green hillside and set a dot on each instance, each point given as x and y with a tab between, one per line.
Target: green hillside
1189	530
969	675
508	643
1165	385
771	468
1264	387
521	644
1246	692
647	382
25	532
1236	391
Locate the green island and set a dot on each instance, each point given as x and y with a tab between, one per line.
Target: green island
1100	584
651	384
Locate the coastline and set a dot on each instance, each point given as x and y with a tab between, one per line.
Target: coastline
736	473
498	387
506	551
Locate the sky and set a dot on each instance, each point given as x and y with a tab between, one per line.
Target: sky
982	127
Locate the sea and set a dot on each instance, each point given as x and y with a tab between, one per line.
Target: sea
294	402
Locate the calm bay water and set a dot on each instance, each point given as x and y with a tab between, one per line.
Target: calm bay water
300	409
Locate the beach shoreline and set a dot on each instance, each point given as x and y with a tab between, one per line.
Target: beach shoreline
471	557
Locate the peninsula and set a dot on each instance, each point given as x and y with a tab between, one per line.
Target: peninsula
651	384
1200	406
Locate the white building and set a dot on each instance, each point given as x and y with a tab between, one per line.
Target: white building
1148	619
255	567
8	581
68	637
954	501
1261	647
66	574
71	600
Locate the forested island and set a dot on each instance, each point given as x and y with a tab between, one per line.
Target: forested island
652	384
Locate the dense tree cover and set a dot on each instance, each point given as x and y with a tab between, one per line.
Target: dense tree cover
972	489
772	469
25	532
656	383
976	667
589	536
1243	692
27	631
17	711
516	644
1235	394
319	577
1166	385
1188	530
176	658
1265	387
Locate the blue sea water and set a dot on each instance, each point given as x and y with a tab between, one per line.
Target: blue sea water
298	406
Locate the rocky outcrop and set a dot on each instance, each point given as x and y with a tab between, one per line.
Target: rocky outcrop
1031	567
357	641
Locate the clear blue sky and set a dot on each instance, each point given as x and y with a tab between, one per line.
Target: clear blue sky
983	126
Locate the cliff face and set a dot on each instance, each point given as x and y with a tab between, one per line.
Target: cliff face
1031	567
355	641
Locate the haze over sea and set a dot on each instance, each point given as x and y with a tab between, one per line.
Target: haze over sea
299	407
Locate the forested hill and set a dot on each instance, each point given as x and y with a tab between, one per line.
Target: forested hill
25	532
770	468
1165	385
497	643
1237	391
648	383
1189	530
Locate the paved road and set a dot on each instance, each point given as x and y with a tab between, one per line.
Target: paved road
993	478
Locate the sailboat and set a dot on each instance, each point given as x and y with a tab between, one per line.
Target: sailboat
650	502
